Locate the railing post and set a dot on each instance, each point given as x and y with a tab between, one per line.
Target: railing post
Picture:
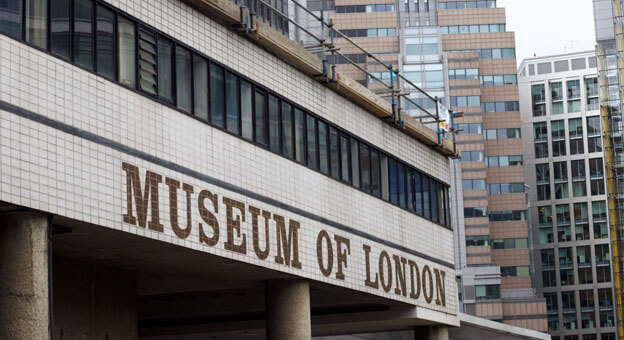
332	36
394	114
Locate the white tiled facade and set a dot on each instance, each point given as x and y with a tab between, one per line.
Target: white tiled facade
65	173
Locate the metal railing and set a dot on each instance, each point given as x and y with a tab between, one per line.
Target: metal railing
317	33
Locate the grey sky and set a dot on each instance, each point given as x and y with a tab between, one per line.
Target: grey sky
546	27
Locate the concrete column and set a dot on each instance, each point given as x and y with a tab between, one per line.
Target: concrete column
24	290
288	310
431	333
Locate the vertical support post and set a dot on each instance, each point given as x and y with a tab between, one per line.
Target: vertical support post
431	333
332	35
288	310
394	115
398	90
437	105
24	277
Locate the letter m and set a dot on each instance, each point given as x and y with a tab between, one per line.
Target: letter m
287	241
142	198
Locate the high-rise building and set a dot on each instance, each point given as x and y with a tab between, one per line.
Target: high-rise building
608	15
493	242
564	170
461	52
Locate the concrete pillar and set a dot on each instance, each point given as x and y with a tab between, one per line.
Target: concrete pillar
431	333
288	310
24	290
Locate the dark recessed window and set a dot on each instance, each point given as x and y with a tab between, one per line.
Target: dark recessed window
311	135
323	148
217	100
274	124
83	33
11	18
385	191
36	22
365	167
426	201
418	194
165	71
105	36
260	118
375	175
344	157
355	163
183	78
401	184
334	153
126	47
200	81
246	110
287	131
394	186
231	102
299	133
59	28
410	189
433	201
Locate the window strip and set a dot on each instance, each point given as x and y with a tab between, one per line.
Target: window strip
252	100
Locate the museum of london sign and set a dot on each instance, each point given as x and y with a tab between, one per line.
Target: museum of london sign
268	236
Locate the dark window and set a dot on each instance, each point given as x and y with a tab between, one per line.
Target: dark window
200	80
260	118
375	173
287	131
231	102
311	127
246	110
217	102
105	36
299	141
274	124
183	82
394	186
147	61
323	154
401	183
410	189
59	33
426	204
385	191
418	194
344	155
36	23
603	273
126	46
434	201
365	167
334	153
165	70
83	33
355	163
11	18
